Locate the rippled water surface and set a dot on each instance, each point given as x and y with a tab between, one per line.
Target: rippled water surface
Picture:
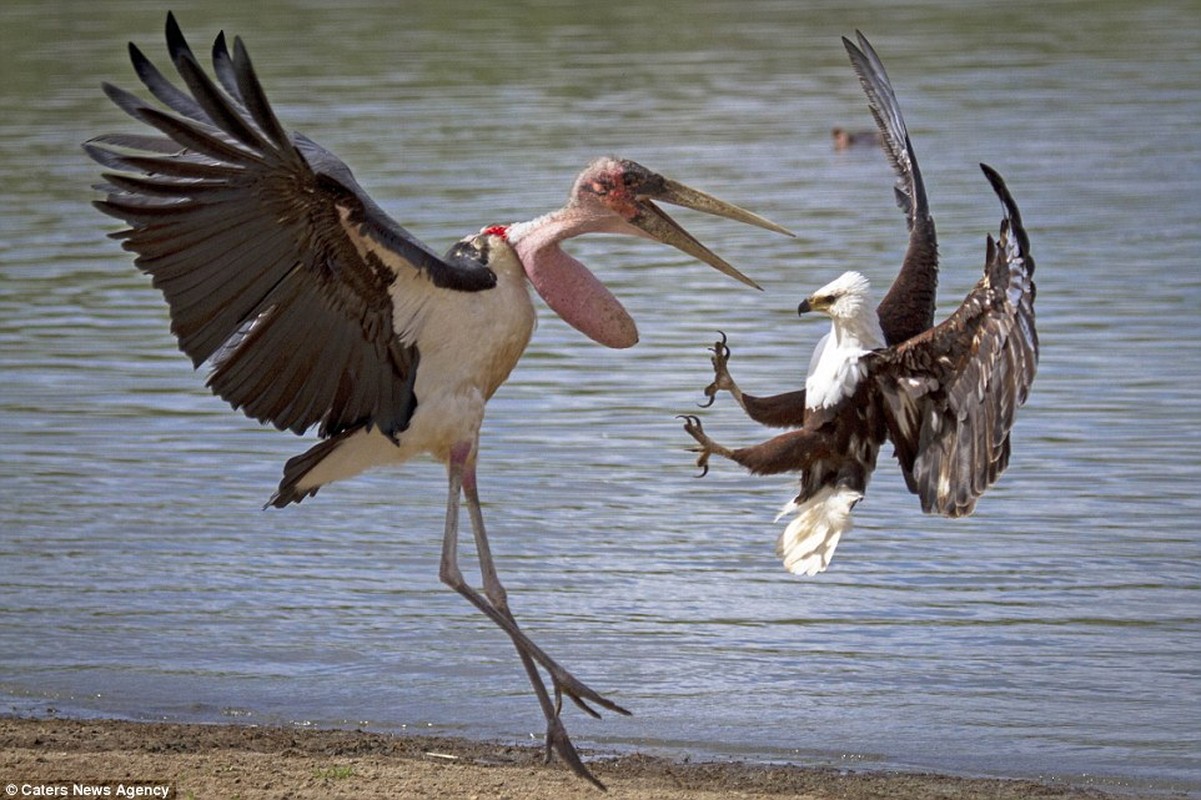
1055	633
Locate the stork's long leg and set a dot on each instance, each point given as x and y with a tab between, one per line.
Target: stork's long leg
462	481
556	734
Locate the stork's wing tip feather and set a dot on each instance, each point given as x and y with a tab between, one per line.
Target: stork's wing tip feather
176	42
852	47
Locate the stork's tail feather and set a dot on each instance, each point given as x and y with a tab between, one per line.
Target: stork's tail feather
340	457
296	469
327	461
808	543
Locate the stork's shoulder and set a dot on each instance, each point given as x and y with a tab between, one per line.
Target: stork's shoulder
472	340
376	235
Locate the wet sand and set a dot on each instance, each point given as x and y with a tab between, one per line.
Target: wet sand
66	758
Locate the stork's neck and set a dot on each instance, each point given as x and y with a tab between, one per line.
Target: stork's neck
564	283
538	242
530	238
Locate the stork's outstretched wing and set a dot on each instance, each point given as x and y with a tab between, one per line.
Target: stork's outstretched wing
908	307
951	393
275	263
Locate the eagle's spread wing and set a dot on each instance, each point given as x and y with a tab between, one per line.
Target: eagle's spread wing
275	263
951	393
908	307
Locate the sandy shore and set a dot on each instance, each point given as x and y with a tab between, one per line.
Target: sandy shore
48	757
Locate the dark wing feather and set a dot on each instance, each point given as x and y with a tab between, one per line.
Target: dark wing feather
908	307
275	263
223	68
952	392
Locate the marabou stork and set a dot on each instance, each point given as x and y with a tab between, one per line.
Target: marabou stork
313	307
945	395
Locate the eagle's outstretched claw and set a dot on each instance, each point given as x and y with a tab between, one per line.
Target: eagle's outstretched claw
692	426
721	379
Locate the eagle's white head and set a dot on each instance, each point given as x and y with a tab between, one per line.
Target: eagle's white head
847	297
835	369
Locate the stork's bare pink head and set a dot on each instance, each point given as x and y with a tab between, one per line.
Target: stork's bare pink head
613	195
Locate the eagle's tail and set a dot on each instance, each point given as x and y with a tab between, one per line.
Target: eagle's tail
808	543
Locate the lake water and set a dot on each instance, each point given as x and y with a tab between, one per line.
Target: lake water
1054	634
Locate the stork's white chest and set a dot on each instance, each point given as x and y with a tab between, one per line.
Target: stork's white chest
473	340
467	343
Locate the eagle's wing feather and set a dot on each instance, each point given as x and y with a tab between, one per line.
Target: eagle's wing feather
908	307
951	393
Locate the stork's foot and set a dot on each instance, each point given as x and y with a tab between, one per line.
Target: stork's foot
579	693
721	374
557	741
563	683
707	447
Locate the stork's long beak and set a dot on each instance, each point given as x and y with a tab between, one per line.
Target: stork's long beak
656	223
